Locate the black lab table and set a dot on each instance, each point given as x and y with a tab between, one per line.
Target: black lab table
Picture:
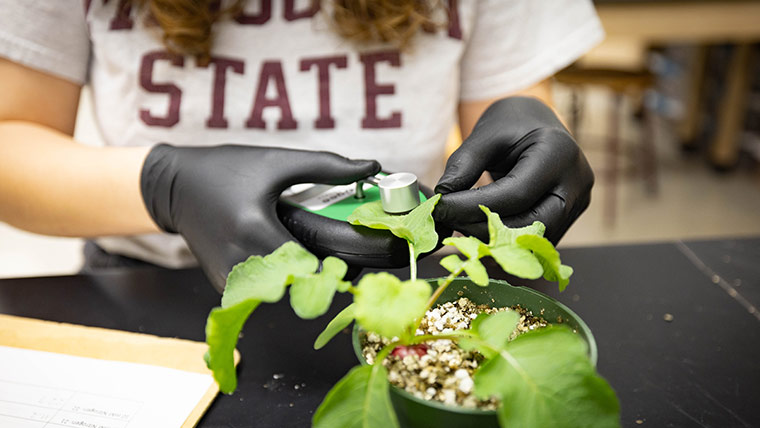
698	368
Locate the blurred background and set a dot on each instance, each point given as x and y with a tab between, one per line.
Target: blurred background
667	109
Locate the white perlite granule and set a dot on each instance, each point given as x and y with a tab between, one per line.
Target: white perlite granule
439	370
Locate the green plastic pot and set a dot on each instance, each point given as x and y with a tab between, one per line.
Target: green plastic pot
415	412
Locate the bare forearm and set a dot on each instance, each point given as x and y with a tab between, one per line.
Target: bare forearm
470	112
51	185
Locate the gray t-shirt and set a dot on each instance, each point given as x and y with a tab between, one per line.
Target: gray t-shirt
279	76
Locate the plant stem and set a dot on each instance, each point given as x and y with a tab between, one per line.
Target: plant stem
450	336
412	262
436	294
385	351
441	288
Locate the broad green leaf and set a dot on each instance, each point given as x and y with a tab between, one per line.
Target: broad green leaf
416	227
387	306
467	344
517	261
473	249
554	270
341	321
311	294
265	278
499	234
565	272
474	269
359	400
524	251
475	324
452	262
495	329
476	272
422	226
465	341
511	257
544	378
222	330
470	246
259	279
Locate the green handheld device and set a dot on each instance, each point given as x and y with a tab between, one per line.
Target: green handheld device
316	214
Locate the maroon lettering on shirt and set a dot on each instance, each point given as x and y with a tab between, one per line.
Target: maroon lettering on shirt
122	19
221	65
271	71
171	117
325	120
455	29
264	14
291	14
373	89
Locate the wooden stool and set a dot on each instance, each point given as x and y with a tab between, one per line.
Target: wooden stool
621	83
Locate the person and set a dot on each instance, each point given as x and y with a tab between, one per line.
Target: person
209	110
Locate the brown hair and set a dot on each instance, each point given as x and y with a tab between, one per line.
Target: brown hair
187	24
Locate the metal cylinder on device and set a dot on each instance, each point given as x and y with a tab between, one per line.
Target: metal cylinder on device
399	192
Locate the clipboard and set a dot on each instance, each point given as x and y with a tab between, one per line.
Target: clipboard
112	345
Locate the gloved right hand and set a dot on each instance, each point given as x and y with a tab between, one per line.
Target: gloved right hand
222	199
539	172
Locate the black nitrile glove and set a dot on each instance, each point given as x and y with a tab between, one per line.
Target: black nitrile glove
222	199
539	172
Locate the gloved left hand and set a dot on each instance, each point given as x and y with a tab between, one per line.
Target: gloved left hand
539	172
222	199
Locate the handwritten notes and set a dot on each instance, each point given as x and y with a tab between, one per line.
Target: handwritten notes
42	389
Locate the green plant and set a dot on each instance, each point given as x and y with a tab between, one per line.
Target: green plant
542	378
